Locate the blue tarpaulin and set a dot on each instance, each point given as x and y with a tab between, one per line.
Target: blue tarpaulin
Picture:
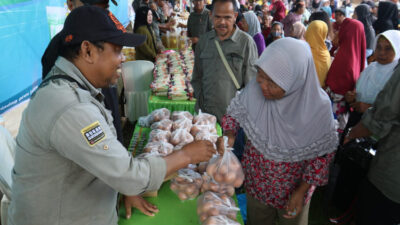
26	27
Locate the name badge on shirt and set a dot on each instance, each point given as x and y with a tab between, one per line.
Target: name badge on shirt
93	133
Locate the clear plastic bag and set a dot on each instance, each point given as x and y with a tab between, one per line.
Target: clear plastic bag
162	147
208	127
177	115
214	204
159	135
183	123
219	220
204	119
187	184
155	116
181	137
206	136
226	169
209	184
164	124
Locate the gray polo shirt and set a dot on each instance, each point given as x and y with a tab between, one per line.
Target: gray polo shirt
212	84
199	23
383	120
69	164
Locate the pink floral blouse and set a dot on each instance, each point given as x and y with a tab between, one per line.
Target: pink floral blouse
272	182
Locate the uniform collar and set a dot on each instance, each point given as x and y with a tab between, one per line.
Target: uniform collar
234	37
71	70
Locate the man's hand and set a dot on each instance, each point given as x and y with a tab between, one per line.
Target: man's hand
194	40
199	151
138	202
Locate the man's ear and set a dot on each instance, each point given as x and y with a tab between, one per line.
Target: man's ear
70	5
87	51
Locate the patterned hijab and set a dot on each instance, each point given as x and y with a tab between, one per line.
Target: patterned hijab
252	21
297	127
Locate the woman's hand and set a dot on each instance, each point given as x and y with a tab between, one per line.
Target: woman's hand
350	97
360	107
220	142
295	205
138	202
296	201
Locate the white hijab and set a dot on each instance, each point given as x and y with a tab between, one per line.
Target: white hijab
297	127
374	77
252	21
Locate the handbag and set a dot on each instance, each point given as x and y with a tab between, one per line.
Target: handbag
349	170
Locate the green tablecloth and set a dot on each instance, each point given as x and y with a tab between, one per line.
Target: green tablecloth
156	102
173	211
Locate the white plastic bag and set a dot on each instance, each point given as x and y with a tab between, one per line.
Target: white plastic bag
226	169
176	115
181	137
213	204
164	124
187	184
155	116
162	147
219	220
159	135
204	119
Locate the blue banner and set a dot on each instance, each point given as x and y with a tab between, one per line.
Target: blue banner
26	27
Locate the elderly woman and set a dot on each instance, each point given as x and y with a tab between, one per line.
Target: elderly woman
290	131
375	76
315	36
251	25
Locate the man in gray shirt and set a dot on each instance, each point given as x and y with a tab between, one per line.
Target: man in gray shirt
69	164
199	22
213	86
379	197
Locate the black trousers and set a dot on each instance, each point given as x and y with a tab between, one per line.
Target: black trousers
374	208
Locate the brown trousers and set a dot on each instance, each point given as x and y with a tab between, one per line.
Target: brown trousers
260	214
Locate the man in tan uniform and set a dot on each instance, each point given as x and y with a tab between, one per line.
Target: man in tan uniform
69	164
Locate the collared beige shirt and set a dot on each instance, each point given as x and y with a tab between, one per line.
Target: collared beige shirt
212	84
69	164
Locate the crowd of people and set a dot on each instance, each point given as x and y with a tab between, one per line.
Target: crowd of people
282	79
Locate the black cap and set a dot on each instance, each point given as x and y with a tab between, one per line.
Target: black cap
92	2
92	23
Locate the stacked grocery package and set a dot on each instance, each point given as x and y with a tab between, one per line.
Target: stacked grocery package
216	179
172	75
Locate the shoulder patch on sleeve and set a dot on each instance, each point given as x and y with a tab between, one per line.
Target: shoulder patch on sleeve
93	133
